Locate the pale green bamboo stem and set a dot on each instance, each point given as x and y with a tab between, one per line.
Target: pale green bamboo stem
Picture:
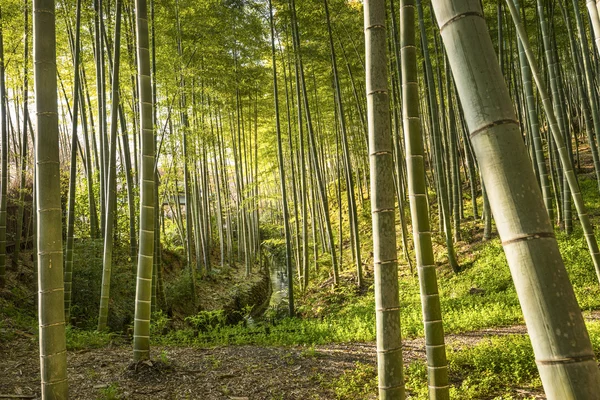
419	209
73	172
141	326
4	166
53	352
562	348
387	305
592	7
534	130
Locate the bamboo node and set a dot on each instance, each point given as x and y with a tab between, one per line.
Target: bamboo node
493	124
529	236
567	360
461	16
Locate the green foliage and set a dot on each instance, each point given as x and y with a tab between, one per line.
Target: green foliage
487	366
110	392
78	339
159	323
310	352
482	370
358	383
13	318
164	358
179	292
87	274
206	321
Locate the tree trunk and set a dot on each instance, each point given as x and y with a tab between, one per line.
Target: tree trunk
141	327
4	166
561	344
53	352
417	189
389	346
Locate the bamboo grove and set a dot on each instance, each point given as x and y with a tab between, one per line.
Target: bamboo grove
226	127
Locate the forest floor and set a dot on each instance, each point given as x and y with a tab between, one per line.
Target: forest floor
233	372
303	372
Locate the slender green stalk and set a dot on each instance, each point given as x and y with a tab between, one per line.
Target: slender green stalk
101	103
286	223
111	186
400	171
53	352
560	341
557	106
454	162
24	141
73	172
141	326
534	129
444	210
385	259
4	166
185	127
345	147
301	154
419	209
313	150
88	167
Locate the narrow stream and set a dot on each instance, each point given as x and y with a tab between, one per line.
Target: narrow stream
277	305
279	286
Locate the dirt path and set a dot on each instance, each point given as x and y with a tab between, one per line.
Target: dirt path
235	372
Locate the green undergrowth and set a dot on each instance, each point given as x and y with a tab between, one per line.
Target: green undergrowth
80	339
15	322
481	296
497	367
483	370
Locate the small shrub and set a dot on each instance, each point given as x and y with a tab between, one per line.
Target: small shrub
110	392
160	323
207	320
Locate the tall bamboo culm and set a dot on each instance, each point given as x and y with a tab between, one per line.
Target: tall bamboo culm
419	208
4	166
73	171
560	341
286	222
387	304
53	352
143	292
111	184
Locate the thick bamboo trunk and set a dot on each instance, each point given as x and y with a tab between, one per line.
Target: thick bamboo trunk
141	327
389	345
561	344
53	352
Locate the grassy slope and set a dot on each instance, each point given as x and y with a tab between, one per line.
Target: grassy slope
481	296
